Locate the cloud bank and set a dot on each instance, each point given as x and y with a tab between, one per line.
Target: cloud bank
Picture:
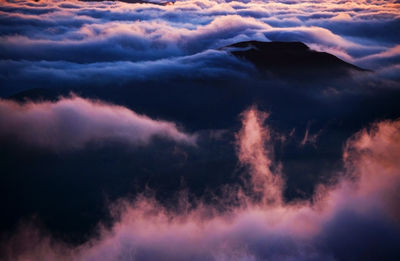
71	123
104	34
165	61
362	200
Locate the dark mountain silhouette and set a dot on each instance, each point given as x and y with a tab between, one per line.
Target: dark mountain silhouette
291	59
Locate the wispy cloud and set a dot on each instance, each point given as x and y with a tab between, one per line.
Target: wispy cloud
256	229
72	123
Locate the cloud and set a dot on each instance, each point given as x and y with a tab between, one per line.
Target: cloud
209	65
135	32
253	151
111	44
71	123
383	59
310	138
40	38
133	41
362	200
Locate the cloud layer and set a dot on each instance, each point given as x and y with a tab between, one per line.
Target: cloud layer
40	38
166	61
72	123
362	200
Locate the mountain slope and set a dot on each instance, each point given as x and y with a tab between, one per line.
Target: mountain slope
291	59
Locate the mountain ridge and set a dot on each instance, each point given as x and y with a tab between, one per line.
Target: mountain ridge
290	59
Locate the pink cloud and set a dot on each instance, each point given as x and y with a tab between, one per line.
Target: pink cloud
71	123
255	150
254	230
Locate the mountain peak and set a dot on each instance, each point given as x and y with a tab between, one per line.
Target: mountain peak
290	59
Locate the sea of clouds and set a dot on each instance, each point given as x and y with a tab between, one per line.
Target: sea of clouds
113	46
109	41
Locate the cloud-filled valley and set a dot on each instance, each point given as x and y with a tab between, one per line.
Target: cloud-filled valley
260	225
199	130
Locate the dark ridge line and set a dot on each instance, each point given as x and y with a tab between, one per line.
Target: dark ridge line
286	55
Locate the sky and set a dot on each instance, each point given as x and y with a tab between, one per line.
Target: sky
136	131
